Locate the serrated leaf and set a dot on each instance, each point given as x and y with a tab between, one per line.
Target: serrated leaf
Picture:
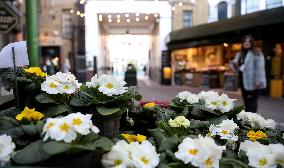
29	129
217	120
107	111
163	140
103	143
185	112
236	110
45	98
88	138
199	124
234	163
31	154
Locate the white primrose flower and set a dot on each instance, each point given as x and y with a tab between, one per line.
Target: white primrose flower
118	157
7	146
200	152
211	104
123	155
51	86
82	123
225	130
263	156
255	120
188	97
225	104
94	81
179	121
144	155
60	83
110	85
208	95
63	131
66	128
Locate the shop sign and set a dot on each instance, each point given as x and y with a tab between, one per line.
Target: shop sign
8	18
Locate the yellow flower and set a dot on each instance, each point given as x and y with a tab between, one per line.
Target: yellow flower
30	114
132	138
35	70
253	136
149	105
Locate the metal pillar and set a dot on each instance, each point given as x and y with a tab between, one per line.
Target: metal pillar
32	32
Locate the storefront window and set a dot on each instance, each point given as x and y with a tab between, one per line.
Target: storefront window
273	3
252	6
187	18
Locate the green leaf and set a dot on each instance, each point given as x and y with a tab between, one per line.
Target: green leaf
217	120
7	123
199	124
236	110
163	140
107	111
56	110
10	112
185	112
103	143
88	138
31	154
45	98
54	148
30	129
233	163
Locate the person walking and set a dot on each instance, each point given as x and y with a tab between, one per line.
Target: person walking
250	66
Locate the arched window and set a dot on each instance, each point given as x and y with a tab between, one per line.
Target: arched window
222	10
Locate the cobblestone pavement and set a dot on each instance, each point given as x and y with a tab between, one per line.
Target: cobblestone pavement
268	107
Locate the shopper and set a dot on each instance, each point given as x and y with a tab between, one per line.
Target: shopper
250	65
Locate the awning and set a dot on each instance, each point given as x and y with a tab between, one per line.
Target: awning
230	30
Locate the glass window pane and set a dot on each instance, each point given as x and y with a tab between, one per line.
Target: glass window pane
187	18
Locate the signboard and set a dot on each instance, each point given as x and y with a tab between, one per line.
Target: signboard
8	18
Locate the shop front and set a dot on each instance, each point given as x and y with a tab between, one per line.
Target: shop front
201	55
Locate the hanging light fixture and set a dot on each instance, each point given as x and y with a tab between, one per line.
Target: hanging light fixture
180	4
71	11
118	16
127	15
156	15
137	19
118	20
146	17
109	16
127	20
100	18
109	20
78	13
173	8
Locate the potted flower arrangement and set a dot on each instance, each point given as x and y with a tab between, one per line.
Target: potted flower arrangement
107	98
29	81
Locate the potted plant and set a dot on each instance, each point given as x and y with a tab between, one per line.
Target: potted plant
106	98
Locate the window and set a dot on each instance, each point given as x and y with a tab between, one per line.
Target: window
273	3
67	24
252	6
222	10
187	18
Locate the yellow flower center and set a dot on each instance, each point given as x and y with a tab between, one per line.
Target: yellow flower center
262	162
214	103
208	162
109	86
64	127
144	160
225	132
66	87
52	85
50	125
77	121
193	151
117	162
224	103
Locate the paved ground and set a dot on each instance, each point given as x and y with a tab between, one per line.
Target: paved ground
268	107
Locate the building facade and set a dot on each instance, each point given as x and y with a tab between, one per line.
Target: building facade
201	54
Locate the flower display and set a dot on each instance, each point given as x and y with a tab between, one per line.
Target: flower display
35	70
108	85
133	138
7	146
179	121
253	136
216	102
255	120
200	152
225	130
149	105
135	154
60	83
66	128
30	114
261	156
188	97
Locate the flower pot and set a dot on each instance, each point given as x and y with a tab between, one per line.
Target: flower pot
109	125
